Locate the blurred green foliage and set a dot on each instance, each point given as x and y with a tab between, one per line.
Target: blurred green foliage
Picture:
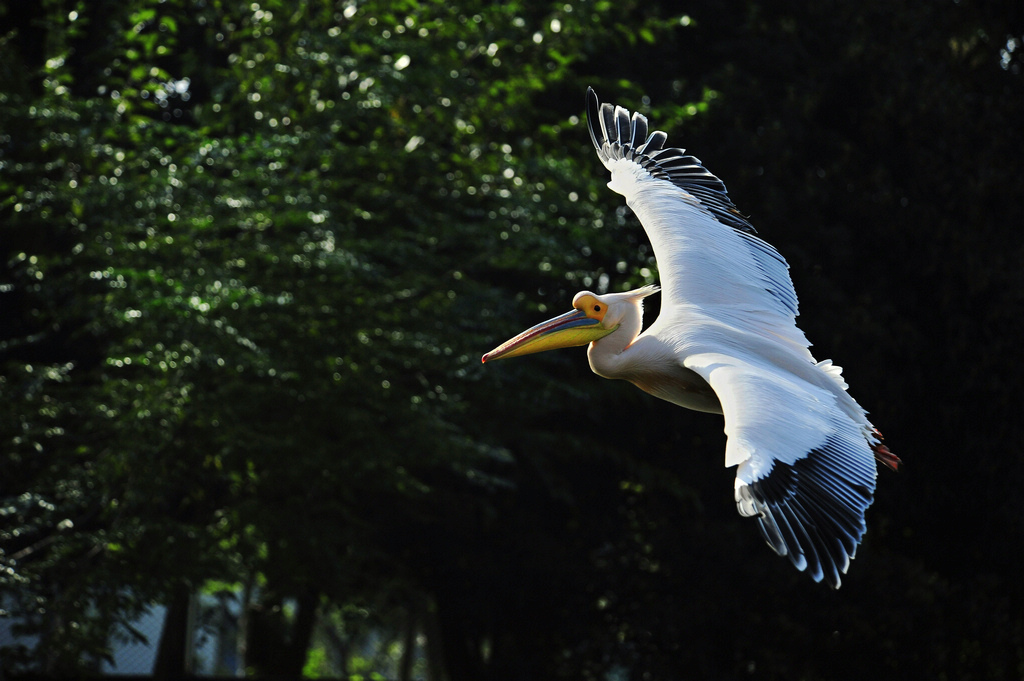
252	251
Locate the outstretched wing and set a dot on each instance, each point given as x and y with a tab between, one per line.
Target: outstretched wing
707	252
806	467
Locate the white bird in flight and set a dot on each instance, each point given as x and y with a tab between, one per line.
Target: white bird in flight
726	342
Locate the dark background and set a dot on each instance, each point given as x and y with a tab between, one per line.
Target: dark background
252	252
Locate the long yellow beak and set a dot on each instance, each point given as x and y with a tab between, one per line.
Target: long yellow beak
564	331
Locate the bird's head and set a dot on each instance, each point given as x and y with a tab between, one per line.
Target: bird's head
592	318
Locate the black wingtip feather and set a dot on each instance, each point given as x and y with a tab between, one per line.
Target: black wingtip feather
593	111
813	510
608	125
616	136
654	143
639	132
623	127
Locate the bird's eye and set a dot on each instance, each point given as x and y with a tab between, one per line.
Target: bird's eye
597	308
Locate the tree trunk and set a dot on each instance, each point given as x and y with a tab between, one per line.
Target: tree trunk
174	653
408	646
275	646
435	651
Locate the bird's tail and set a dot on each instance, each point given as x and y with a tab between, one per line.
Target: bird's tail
882	453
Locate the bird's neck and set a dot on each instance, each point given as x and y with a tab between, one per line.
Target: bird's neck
605	354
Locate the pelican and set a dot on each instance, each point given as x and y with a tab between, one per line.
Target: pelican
726	342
